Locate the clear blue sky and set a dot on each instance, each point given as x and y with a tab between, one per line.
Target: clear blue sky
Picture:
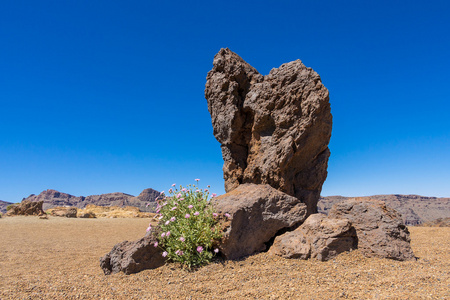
106	96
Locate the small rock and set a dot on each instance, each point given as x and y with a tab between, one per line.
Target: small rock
379	228
133	257
319	237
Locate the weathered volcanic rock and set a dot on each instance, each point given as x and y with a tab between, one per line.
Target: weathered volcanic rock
273	129
133	257
257	214
26	208
319	237
414	209
68	212
380	229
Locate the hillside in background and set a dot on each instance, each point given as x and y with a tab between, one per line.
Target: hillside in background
3	205
415	209
53	198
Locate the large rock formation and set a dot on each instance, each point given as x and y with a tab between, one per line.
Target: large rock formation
26	208
256	214
319	237
273	129
414	209
380	229
133	257
68	212
53	198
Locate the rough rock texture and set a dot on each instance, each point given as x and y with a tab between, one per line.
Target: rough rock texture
319	237
257	214
68	212
26	208
273	129
380	229
414	209
133	257
53	198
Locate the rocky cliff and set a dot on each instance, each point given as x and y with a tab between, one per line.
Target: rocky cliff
53	198
415	209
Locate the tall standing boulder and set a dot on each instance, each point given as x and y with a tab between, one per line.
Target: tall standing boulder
273	129
380	229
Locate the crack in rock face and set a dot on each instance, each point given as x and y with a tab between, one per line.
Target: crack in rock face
273	129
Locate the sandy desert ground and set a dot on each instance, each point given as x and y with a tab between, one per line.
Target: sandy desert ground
59	259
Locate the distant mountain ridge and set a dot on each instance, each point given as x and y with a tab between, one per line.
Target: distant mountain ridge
415	209
53	198
3	205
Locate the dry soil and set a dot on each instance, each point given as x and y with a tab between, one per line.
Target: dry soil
59	259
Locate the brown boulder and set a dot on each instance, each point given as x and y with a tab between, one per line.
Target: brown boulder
319	237
380	229
133	257
273	129
257	214
26	208
68	212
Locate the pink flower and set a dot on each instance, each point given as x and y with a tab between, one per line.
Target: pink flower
167	222
227	215
187	216
179	195
167	233
173	208
181	199
179	252
208	186
162	193
206	190
184	189
216	250
215	215
172	219
163	234
196	213
182	239
160	217
199	249
174	184
190	206
197	180
213	195
149	228
164	254
170	191
158	210
155	244
197	191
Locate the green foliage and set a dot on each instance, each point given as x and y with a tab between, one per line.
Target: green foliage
11	206
188	226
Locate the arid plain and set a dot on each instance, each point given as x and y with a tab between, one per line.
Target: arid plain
59	259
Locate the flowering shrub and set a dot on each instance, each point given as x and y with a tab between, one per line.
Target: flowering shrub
188	225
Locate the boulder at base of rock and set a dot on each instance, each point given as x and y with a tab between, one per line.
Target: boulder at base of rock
68	212
133	257
26	208
273	129
257	214
380	229
319	237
